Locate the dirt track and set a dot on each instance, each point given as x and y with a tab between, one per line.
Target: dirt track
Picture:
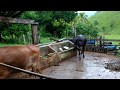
93	66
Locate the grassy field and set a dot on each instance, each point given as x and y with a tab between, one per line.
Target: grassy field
42	41
111	36
3	44
108	21
45	40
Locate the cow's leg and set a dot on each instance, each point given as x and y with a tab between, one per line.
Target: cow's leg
36	68
79	55
83	51
36	64
4	73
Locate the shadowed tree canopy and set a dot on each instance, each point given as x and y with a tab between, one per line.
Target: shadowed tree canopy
51	23
12	14
55	21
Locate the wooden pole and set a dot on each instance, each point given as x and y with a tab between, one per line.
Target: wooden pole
100	41
67	34
26	71
16	20
34	33
74	32
29	37
24	39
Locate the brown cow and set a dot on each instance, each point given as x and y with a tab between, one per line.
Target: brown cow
25	57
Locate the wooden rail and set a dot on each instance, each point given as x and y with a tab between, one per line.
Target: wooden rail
60	40
28	72
34	25
118	40
16	20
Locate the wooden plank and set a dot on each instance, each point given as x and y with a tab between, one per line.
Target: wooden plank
26	71
16	20
17	14
60	40
117	45
112	40
111	45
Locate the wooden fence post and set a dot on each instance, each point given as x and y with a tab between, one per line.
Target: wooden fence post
34	33
74	32
100	41
24	39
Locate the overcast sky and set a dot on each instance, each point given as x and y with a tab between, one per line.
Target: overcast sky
88	13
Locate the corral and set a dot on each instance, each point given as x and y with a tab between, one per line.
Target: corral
103	45
51	54
60	61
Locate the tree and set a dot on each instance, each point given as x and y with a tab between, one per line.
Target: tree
95	23
84	26
3	26
55	21
50	22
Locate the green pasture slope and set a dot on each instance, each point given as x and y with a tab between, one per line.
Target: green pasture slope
109	23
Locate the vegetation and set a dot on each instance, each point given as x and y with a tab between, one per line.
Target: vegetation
51	23
108	23
85	27
57	24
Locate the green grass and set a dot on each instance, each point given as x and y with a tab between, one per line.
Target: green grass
3	44
42	41
106	19
111	36
45	40
118	54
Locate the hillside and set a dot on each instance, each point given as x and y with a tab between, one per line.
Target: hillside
108	22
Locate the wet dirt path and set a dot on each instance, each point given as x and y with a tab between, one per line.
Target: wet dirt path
91	67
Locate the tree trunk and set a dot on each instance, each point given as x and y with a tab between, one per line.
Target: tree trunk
1	39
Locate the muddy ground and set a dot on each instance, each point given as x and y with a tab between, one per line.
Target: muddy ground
93	66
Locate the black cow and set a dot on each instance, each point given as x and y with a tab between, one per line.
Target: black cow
79	44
